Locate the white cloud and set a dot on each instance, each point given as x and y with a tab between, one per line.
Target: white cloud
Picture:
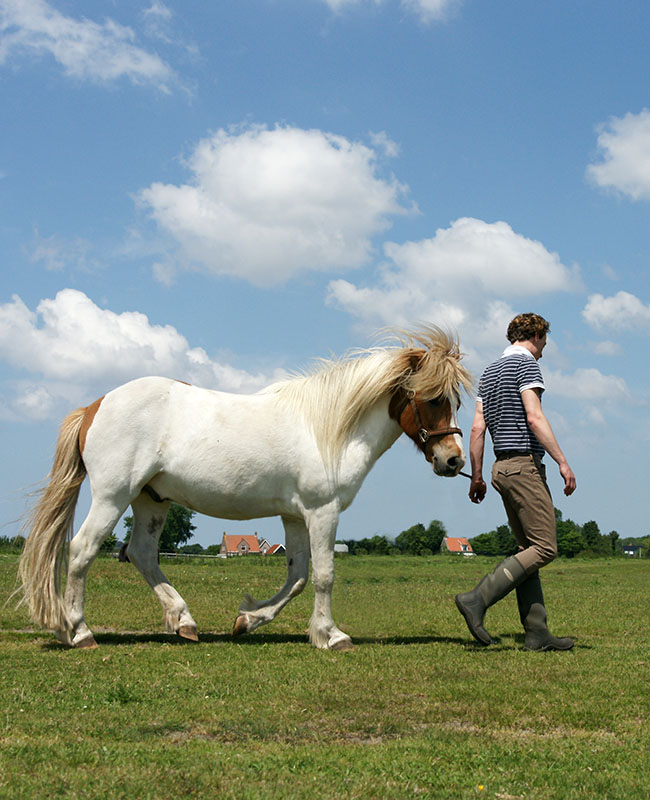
157	21
589	385
624	143
467	276
431	10
492	255
609	272
266	205
337	5
607	348
622	311
86	50
77	350
55	252
426	10
158	10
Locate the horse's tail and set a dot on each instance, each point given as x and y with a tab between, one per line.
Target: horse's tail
44	559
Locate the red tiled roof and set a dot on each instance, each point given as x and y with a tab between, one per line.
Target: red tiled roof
455	544
273	549
232	542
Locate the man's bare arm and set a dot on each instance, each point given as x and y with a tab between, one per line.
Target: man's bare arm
541	427
477	489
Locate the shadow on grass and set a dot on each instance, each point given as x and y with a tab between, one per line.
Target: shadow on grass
507	642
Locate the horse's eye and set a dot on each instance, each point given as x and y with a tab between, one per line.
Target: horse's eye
435	402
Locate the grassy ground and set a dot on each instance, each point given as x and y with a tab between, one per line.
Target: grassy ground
416	710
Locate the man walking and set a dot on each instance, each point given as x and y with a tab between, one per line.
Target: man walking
509	407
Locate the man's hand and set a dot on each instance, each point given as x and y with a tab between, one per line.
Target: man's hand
569	479
477	490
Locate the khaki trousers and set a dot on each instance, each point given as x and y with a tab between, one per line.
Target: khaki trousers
521	482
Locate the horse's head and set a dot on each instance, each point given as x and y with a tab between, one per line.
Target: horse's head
426	397
433	426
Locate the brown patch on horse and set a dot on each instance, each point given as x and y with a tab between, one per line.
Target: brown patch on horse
422	421
89	416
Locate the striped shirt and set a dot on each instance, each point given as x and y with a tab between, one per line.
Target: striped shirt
500	391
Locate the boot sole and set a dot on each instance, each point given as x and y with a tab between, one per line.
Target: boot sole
548	648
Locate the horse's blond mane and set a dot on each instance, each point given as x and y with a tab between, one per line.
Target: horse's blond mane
334	396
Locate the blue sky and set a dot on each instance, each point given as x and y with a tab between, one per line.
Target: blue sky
221	192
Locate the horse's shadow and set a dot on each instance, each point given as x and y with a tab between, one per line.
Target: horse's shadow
116	639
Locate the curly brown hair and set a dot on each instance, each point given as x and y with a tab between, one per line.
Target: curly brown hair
526	326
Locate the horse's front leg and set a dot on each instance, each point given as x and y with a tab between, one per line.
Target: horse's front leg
252	613
323	632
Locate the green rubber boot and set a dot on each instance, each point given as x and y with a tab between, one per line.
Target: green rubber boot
532	613
492	588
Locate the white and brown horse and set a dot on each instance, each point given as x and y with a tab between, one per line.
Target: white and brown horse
299	449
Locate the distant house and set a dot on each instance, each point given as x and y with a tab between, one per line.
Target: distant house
237	544
276	550
458	545
339	547
632	550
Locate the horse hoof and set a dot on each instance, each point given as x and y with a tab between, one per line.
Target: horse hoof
88	643
188	632
342	646
241	625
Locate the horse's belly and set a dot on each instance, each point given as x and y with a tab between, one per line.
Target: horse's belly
235	496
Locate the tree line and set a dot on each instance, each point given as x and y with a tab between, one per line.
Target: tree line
572	539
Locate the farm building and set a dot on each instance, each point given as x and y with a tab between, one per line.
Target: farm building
458	545
238	544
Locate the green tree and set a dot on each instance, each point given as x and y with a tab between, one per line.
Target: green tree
595	543
379	545
485	544
178	528
505	541
418	540
500	542
613	538
412	539
109	544
191	549
591	534
570	540
434	535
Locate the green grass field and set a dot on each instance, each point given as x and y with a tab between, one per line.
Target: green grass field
416	710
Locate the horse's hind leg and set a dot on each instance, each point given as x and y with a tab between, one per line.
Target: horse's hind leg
252	614
148	521
102	518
